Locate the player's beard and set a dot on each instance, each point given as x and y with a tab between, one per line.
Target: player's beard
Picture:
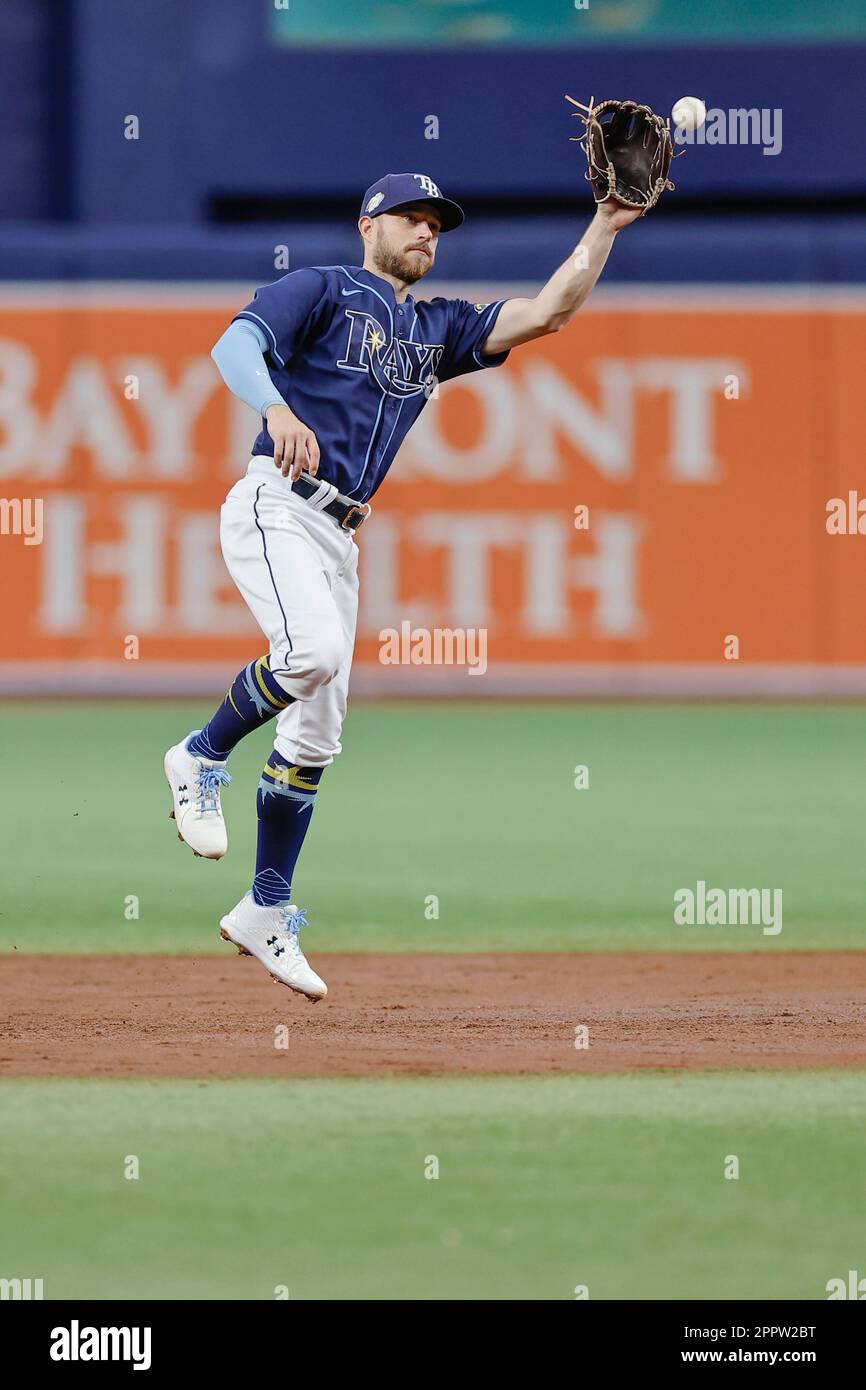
406	266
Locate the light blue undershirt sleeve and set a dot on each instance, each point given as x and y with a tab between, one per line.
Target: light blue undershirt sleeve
238	356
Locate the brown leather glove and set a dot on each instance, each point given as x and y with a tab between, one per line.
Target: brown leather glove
628	150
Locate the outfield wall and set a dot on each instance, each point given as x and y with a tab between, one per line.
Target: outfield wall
471	93
704	432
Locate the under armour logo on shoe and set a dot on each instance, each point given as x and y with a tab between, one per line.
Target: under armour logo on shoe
277	950
182	798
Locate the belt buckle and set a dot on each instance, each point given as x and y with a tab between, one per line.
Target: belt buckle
362	508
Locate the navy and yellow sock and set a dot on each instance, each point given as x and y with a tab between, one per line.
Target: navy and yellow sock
254	697
284	803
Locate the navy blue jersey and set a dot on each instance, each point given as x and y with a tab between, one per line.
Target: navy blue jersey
358	367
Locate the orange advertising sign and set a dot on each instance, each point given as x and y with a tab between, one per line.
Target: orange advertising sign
642	502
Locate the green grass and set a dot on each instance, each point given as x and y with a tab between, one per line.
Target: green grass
474	803
612	1182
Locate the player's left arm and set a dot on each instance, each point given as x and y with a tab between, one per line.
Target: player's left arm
522	320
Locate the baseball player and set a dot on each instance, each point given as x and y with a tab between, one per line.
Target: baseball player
339	361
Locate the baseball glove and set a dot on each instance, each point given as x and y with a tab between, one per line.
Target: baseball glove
628	150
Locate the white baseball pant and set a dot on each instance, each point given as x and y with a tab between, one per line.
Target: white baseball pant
297	570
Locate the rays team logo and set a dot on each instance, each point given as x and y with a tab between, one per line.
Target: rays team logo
399	367
427	185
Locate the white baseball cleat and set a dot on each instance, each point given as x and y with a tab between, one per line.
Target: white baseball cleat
271	935
195	790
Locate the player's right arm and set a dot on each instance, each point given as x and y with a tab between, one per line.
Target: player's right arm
275	323
239	356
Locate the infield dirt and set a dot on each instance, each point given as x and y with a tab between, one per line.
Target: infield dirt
182	1016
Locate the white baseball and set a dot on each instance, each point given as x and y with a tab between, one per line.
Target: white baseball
689	113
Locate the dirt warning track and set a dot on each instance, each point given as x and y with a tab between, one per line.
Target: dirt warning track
184	1016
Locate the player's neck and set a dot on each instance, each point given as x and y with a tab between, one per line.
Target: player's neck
400	287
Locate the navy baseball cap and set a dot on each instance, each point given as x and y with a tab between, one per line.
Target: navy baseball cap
395	190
